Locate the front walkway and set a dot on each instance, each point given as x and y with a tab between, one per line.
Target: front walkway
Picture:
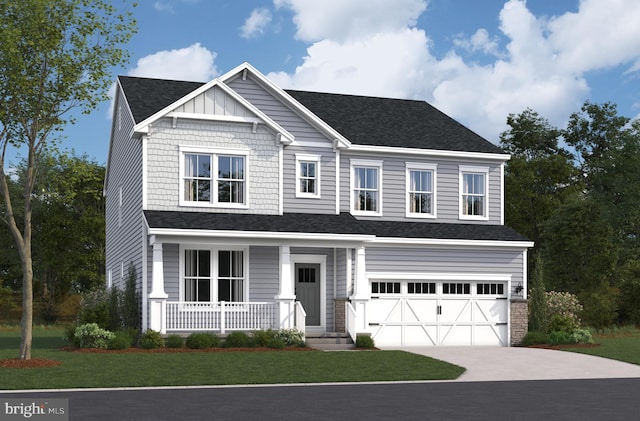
515	363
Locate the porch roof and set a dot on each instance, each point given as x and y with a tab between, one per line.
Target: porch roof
342	224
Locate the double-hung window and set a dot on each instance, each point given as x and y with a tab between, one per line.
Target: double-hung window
213	275
217	178
366	187
421	190
474	192
307	176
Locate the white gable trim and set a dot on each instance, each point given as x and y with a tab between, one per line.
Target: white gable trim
245	68
144	126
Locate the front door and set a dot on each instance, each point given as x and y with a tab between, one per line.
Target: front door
308	291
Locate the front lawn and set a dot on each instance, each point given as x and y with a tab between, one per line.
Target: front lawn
88	370
623	345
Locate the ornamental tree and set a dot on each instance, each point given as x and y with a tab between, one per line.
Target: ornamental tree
55	57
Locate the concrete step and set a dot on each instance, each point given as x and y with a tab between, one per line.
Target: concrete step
330	341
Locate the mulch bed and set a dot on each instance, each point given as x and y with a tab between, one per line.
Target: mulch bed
547	346
42	362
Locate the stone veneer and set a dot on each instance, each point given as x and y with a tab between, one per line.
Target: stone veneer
339	320
519	320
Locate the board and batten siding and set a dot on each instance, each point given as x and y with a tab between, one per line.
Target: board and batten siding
123	208
163	163
429	260
447	189
215	101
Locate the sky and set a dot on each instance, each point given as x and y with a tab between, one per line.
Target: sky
476	60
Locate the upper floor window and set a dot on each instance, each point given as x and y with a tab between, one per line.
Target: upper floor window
421	197
366	187
214	178
307	175
473	192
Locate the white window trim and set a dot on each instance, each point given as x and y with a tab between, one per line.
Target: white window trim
214	269
467	169
358	163
434	179
308	158
215	152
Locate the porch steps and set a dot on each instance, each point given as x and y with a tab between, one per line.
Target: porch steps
330	341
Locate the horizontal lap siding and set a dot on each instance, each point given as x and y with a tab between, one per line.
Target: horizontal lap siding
124	229
326	203
394	196
441	260
264	273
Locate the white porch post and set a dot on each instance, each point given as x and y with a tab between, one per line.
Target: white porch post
285	297
157	296
361	294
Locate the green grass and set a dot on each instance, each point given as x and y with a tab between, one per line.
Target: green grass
84	370
616	344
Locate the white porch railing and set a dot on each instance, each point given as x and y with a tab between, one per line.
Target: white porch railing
300	317
221	316
350	320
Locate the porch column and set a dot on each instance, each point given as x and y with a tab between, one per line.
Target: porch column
285	297
361	294
157	296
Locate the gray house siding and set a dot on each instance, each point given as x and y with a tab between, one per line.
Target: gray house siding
445	260
163	163
447	189
264	273
124	227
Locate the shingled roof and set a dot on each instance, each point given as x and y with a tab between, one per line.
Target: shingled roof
342	224
362	120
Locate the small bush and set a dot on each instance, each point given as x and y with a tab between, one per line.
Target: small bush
174	341
275	343
290	337
560	338
534	338
123	339
151	339
94	308
582	336
263	337
90	335
202	340
364	342
237	339
563	323
70	335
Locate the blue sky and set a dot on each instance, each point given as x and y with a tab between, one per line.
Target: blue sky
475	60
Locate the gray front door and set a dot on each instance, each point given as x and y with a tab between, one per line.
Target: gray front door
308	291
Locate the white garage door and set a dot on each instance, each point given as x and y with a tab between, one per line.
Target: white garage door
438	313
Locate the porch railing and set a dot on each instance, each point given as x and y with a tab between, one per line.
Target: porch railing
221	316
350	320
300	317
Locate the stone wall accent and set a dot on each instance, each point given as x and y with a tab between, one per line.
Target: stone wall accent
339	320
519	320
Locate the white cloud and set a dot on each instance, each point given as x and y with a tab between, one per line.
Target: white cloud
193	63
373	48
163	6
340	20
256	23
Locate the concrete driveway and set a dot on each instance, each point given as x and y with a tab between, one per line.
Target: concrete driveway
502	364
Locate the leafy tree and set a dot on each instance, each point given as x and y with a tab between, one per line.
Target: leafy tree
540	175
537	298
55	56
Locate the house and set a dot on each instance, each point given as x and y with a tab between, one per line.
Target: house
244	206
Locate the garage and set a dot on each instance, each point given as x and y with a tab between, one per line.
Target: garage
439	312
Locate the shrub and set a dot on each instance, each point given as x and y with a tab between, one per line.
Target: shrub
130	301
263	337
538	298
151	339
600	307
123	339
237	339
291	337
70	335
174	341
534	338
582	336
202	340
94	308
90	335
364	342
563	323
563	304
560	338
115	297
